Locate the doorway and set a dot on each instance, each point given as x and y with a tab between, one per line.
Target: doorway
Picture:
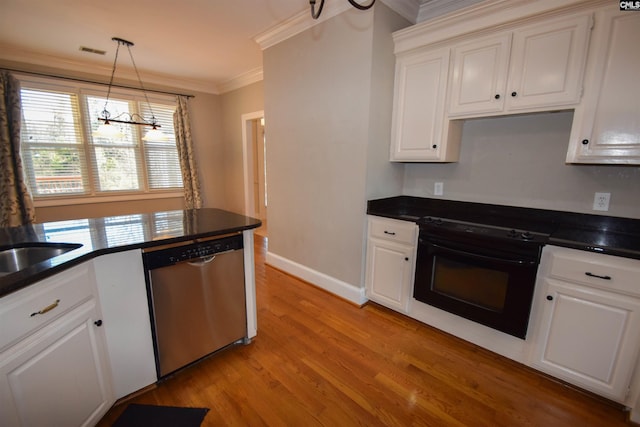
255	176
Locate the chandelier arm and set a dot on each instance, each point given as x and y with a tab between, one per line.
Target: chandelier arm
361	6
314	14
130	122
153	117
113	72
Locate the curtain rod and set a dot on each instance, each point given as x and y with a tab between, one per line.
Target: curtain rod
96	82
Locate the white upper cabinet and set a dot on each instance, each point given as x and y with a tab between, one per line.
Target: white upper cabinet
538	67
606	125
480	76
418	130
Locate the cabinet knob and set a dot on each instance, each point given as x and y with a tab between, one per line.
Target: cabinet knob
514	94
549	298
98	322
497	96
585	141
434	146
406	258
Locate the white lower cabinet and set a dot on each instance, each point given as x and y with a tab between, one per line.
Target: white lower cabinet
391	249
56	373
587	312
127	325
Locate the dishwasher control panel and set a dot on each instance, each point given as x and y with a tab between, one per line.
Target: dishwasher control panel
190	250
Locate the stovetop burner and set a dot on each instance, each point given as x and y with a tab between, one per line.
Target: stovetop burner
442	226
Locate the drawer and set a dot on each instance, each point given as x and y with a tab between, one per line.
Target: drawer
393	230
53	296
598	270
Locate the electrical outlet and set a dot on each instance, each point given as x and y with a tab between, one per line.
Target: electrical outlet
601	201
438	189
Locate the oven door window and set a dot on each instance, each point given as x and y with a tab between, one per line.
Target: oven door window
489	285
483	287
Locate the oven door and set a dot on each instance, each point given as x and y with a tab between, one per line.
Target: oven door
481	282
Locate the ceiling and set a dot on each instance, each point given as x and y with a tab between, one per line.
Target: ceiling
201	44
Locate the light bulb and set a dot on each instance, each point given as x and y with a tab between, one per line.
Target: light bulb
107	130
156	135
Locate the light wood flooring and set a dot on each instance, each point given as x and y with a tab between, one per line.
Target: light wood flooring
321	361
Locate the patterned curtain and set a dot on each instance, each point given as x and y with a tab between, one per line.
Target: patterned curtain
185	152
16	205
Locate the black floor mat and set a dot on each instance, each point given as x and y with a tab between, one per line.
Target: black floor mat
160	416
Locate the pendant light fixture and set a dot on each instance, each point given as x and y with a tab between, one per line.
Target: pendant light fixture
106	129
316	14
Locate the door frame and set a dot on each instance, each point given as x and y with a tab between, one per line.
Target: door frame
247	158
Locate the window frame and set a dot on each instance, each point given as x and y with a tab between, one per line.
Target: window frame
81	90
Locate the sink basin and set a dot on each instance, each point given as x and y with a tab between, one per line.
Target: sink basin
19	258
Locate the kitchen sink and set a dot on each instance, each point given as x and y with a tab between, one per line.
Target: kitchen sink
18	258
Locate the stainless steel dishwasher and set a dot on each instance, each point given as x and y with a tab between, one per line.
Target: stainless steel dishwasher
197	299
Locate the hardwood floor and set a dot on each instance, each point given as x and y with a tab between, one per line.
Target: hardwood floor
321	361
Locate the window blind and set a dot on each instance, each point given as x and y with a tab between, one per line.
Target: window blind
162	156
51	143
116	161
63	155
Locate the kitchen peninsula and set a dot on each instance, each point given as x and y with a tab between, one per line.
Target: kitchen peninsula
76	333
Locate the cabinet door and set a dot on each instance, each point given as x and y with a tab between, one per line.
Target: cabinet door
479	76
419	99
58	376
547	64
588	337
127	326
389	273
606	125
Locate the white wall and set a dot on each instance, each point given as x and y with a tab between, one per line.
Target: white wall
234	104
519	161
383	177
322	111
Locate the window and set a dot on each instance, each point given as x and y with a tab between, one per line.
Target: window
64	158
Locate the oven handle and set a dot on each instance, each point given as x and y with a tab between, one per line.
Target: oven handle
482	257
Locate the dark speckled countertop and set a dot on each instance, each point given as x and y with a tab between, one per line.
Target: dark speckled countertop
596	233
100	236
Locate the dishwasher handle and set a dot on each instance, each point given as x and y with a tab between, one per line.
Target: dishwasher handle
207	258
201	261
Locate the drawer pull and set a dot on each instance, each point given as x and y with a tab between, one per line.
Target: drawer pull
390	233
598	276
47	308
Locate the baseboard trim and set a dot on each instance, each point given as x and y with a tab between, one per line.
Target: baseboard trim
330	284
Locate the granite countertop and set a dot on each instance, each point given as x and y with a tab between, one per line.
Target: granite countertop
100	236
596	233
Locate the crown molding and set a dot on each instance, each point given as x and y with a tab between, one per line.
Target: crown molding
481	16
42	59
299	23
435	8
302	21
408	9
242	80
